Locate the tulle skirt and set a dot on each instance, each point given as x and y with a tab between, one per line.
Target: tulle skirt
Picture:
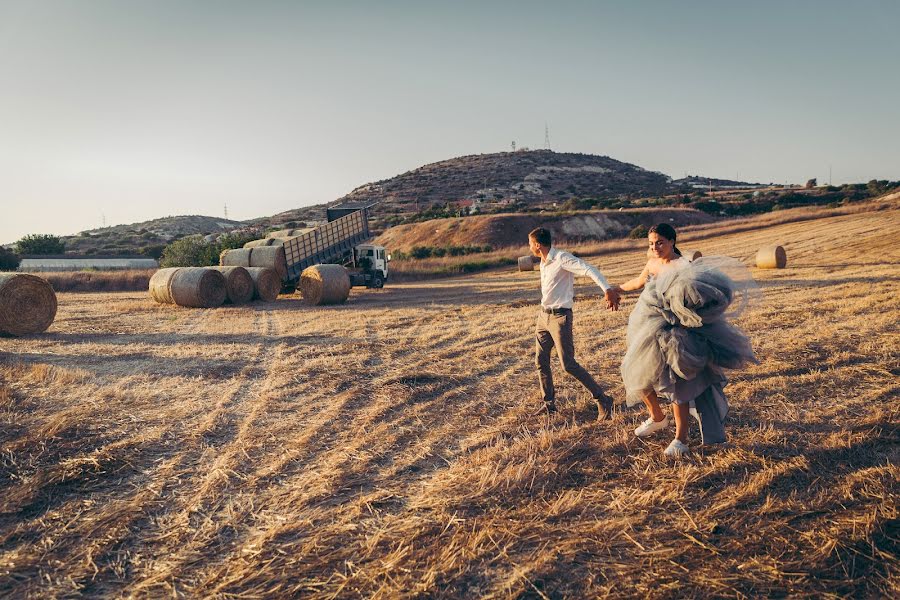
680	337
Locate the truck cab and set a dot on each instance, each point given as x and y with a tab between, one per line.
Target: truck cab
370	265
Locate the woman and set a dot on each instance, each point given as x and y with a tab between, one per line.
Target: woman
679	338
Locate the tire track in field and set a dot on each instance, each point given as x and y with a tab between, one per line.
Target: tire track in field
206	465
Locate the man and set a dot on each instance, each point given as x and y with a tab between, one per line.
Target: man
554	324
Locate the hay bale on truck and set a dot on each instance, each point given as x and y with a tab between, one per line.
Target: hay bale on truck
193	287
264	242
288	233
264	256
239	287
266	283
27	304
324	284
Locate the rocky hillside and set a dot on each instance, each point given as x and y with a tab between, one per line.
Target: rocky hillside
529	177
505	182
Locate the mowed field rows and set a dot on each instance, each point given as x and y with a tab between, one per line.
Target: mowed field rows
386	448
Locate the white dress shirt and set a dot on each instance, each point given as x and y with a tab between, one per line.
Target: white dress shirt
558	273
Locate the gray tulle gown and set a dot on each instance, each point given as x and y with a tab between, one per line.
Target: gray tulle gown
680	339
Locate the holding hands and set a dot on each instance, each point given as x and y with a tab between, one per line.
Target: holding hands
613	295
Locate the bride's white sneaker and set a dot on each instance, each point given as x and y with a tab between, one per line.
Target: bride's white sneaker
649	427
677	449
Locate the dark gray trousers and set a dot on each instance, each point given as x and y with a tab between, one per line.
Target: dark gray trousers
555	331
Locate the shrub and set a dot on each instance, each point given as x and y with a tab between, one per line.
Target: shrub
638	233
191	251
40	243
230	241
708	206
9	261
155	251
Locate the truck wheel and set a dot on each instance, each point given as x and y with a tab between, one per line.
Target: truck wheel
377	281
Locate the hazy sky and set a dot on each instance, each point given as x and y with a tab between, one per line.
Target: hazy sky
134	110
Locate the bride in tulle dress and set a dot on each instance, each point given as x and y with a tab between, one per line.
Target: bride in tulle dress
680	340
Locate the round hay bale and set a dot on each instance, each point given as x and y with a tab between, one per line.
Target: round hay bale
27	304
160	285
239	257
771	257
324	284
269	256
526	263
194	287
266	283
238	284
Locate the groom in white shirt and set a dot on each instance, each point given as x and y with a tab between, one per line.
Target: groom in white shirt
554	324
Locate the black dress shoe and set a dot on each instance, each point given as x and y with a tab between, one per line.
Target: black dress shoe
604	408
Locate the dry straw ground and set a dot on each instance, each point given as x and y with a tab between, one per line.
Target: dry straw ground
384	448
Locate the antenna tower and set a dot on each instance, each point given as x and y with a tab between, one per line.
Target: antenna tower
546	136
514	145
226	210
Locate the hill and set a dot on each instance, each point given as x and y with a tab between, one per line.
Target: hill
531	177
147	237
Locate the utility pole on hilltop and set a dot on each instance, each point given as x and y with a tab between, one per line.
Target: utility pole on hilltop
103	219
226	210
546	136
829	175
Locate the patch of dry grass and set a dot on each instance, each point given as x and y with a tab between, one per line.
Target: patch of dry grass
384	448
132	280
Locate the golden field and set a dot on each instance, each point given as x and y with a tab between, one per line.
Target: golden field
384	448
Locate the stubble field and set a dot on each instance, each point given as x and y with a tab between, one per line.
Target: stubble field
385	448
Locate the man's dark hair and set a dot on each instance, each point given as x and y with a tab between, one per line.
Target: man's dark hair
541	236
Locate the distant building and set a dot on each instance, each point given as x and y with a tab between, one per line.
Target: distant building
68	262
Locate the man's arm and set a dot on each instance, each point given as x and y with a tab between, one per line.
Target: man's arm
579	267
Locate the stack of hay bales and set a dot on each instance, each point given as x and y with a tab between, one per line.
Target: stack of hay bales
264	242
526	263
288	233
239	287
258	256
27	304
195	287
771	257
324	284
266	283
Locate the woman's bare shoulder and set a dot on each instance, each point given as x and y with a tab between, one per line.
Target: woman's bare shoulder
653	266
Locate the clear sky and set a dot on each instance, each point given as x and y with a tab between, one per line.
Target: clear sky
132	110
